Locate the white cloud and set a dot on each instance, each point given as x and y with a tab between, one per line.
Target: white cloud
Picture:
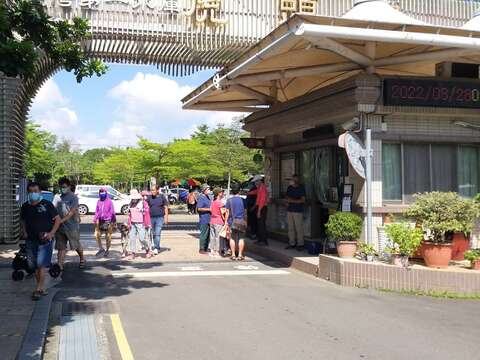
149	105
52	111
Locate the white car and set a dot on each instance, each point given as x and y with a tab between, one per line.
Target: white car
87	203
85	188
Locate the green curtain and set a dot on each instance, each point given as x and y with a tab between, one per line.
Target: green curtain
392	172
308	172
467	171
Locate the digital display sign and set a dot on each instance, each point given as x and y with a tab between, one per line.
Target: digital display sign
453	93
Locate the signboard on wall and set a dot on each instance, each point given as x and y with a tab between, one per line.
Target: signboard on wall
452	93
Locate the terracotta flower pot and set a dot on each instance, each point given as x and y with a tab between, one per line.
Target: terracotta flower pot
437	255
476	264
346	249
460	244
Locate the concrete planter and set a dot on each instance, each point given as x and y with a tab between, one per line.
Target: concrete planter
346	249
437	255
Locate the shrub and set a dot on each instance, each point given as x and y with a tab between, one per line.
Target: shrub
366	249
442	213
405	239
472	255
344	226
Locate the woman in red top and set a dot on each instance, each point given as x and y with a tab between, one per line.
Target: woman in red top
217	222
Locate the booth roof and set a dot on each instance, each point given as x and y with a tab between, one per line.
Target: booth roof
369	10
307	53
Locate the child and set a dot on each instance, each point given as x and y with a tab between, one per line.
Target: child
138	222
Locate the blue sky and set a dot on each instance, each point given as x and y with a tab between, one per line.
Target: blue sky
127	102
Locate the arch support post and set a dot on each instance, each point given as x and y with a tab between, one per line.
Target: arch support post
11	156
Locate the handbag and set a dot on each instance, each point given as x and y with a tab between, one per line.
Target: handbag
225	232
239	225
104	225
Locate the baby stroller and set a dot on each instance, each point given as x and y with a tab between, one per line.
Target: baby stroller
21	268
20	264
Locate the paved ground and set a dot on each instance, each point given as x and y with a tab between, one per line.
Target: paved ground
181	305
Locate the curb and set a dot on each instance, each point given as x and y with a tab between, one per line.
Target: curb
34	340
292	262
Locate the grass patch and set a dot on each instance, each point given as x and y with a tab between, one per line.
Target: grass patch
435	294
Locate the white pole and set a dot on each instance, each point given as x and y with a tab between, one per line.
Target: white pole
368	179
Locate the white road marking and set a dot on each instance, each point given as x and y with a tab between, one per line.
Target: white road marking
191	268
152	274
246	267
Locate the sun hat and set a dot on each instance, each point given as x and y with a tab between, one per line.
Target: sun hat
205	187
257	178
217	191
135	195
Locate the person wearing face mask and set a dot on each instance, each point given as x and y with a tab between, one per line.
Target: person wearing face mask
104	221
295	199
39	222
66	204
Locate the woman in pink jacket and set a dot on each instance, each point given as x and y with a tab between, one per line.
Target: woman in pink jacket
138	222
104	221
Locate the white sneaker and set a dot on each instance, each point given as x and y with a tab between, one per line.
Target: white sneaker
155	251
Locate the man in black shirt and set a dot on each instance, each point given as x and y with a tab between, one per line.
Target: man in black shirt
158	205
39	223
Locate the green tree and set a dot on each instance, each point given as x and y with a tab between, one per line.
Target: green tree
67	162
27	32
39	152
88	161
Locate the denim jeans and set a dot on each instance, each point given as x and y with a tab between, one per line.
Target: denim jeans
39	256
157	223
137	229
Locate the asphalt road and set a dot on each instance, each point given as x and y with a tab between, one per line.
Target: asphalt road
202	309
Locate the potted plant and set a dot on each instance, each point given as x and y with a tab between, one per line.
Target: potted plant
474	257
344	228
367	251
405	240
441	214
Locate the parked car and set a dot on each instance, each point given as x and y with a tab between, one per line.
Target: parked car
180	194
87	202
85	188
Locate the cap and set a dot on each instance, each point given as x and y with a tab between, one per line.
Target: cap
257	178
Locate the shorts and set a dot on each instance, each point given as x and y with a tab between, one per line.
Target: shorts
70	236
39	256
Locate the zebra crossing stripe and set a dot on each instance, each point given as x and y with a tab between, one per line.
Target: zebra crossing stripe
153	274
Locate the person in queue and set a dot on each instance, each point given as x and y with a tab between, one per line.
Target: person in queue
39	222
261	210
191	202
66	204
203	210
217	222
138	222
295	199
158	205
236	215
252	220
104	221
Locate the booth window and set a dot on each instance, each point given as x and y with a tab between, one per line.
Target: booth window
318	171
415	168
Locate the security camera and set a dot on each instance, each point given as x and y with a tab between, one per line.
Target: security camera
351	124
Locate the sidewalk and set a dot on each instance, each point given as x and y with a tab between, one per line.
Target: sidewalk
16	307
301	261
